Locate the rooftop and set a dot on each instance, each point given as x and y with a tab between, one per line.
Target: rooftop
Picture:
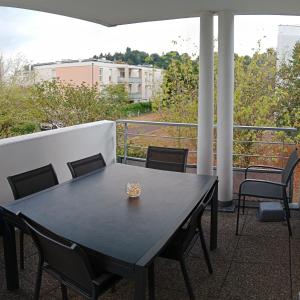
261	263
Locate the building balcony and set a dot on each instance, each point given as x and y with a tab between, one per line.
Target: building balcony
135	80
268	146
262	255
259	257
122	79
135	96
129	80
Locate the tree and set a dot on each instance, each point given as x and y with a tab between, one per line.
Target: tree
178	101
59	102
254	97
15	116
288	92
136	57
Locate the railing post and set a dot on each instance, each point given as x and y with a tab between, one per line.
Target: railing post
125	142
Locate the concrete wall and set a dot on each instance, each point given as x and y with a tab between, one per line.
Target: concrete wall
23	153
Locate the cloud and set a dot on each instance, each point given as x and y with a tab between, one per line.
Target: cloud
46	37
13	34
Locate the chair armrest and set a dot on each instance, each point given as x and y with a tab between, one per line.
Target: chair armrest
262	189
261	167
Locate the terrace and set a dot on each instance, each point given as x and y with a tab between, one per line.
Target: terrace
262	262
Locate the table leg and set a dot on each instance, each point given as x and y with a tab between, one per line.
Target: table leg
10	255
214	220
140	284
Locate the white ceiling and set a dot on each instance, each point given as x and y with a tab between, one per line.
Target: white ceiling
117	12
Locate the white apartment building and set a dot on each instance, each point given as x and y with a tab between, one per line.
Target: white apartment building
288	36
142	82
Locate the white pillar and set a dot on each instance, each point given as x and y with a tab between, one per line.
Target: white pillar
225	106
206	95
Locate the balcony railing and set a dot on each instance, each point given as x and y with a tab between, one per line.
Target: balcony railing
129	79
121	79
135	96
252	145
134	79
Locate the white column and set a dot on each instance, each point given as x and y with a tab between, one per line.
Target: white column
206	96
225	106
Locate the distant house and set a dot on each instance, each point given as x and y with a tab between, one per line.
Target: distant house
288	36
142	82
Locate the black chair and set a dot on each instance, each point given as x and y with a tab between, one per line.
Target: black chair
68	263
181	242
86	165
28	183
169	159
269	189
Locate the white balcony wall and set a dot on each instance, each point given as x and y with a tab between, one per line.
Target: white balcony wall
23	153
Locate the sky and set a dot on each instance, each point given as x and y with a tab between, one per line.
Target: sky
42	37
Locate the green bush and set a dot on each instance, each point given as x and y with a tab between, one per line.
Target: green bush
134	109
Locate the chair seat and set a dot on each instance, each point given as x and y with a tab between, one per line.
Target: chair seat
103	282
174	247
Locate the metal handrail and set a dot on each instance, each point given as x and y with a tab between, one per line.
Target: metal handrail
128	134
240	127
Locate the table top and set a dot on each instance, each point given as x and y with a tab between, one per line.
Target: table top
94	210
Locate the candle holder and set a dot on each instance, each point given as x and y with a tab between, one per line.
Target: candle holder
133	189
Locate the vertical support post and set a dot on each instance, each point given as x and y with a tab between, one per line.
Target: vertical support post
225	106
125	142
206	96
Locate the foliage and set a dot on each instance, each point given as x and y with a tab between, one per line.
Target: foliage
254	99
136	57
134	109
254	96
59	102
15	117
178	100
288	92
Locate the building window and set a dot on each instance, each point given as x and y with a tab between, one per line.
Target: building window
110	75
122	73
101	74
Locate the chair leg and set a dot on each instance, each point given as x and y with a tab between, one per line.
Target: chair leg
186	279
204	248
64	292
38	282
21	250
244	200
151	282
238	216
287	215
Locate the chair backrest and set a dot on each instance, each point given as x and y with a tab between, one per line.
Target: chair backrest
66	259
33	181
169	159
195	219
290	166
86	165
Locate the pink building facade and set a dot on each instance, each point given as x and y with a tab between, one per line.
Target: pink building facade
142	82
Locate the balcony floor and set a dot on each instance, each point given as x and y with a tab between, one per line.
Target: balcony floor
261	263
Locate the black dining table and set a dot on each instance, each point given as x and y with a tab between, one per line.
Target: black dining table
95	212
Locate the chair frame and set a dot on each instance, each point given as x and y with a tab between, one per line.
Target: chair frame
34	172
166	150
194	226
72	165
282	186
17	196
35	229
